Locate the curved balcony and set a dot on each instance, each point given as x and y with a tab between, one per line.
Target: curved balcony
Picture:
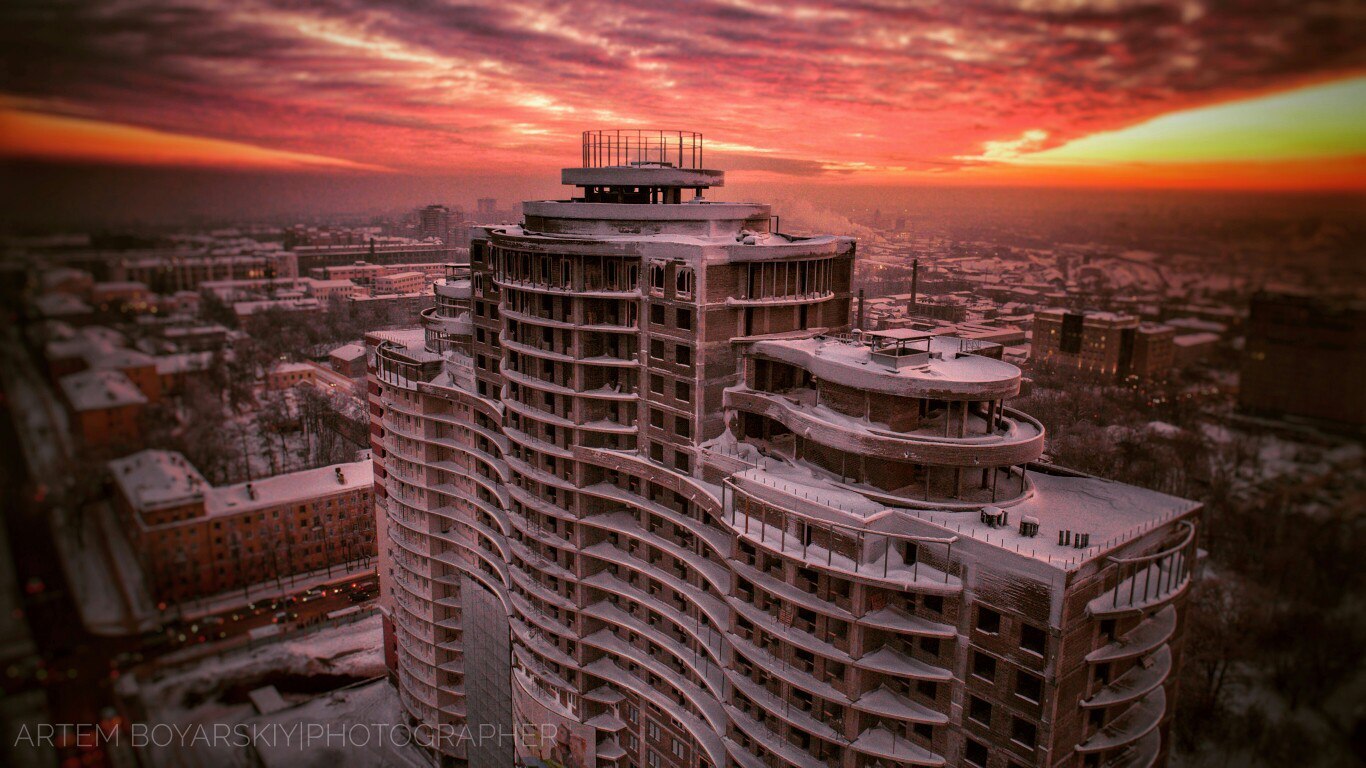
565	357
1139	720
783	300
851	551
1151	580
1021	442
459	325
945	370
1142	678
885	744
1141	754
537	320
1150	633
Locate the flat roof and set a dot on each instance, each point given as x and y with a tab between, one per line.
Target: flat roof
99	389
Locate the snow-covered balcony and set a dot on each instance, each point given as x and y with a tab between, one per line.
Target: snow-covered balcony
1150	633
797	521
1145	675
1140	719
1149	580
883	743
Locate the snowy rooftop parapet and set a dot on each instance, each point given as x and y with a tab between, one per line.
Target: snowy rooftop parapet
290	488
153	479
944	366
95	390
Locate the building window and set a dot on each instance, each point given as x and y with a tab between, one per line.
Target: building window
928	688
975	753
934	603
656	418
683	283
657	384
657	279
685	319
657	452
979	710
683	391
657	314
683	355
682	461
1023	732
683	427
924	731
652	730
680	749
1033	639
1028	686
983	666
930	645
988	621
657	349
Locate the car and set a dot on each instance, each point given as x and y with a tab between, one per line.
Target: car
283	616
211	621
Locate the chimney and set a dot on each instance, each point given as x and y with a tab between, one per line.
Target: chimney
859	324
915	281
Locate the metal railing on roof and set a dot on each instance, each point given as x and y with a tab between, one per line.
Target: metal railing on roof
642	147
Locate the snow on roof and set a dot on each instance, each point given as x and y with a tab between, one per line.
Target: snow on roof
348	352
1110	512
183	362
290	488
291	368
119	358
120	285
1196	339
59	304
155	479
95	390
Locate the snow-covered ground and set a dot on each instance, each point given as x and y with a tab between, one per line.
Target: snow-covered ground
195	698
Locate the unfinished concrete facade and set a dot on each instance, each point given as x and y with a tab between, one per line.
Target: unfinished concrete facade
725	529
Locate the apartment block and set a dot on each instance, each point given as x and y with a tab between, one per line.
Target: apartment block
195	540
1103	345
682	511
1305	358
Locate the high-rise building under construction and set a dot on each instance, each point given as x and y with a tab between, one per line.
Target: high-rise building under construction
641	481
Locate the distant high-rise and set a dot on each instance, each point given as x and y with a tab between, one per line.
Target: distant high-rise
1305	357
436	221
664	498
1103	345
487	206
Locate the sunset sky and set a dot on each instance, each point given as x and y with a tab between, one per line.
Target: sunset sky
1117	93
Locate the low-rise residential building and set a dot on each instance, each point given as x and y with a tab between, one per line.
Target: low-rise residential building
105	407
286	375
402	282
194	540
348	360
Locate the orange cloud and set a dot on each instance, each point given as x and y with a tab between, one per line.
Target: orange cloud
32	135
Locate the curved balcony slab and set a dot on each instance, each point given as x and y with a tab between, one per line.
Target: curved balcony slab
952	375
1145	675
883	743
1139	720
1141	754
1022	442
1144	638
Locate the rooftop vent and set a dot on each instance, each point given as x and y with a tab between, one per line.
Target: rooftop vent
1029	526
995	517
251	491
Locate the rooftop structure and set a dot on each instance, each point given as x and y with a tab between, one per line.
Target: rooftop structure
669	500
